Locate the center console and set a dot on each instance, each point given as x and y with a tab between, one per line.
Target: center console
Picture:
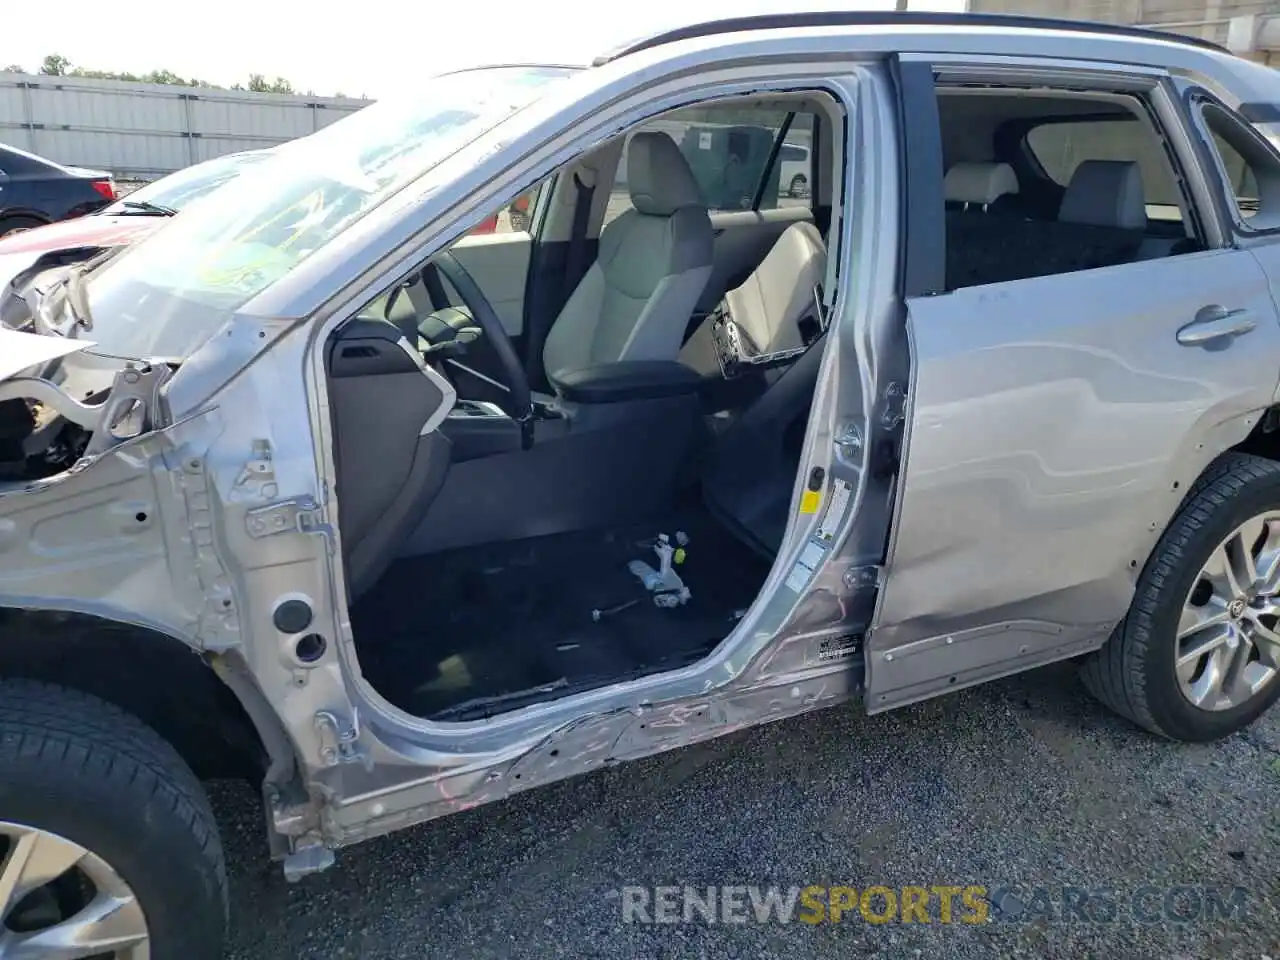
611	446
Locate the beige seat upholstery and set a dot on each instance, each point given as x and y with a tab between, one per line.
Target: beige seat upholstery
770	304
1105	193
979	184
636	300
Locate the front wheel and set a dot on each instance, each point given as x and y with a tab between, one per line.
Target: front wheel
108	848
11	225
1198	655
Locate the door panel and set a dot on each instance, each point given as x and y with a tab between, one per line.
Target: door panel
1056	424
499	262
742	238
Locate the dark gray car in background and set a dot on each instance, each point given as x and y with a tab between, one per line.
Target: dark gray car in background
35	191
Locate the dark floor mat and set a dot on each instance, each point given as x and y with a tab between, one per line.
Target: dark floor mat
514	620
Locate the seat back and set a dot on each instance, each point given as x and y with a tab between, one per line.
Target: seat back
636	300
770	304
1105	193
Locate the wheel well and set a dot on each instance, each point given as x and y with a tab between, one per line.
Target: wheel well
22	213
158	679
1264	439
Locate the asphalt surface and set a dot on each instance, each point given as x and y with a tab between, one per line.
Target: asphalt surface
1025	782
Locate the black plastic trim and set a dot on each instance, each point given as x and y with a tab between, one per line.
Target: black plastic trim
1260	112
924	240
884	18
763	185
628	380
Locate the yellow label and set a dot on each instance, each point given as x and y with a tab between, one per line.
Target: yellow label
809	501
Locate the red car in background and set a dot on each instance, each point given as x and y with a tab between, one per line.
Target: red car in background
518	211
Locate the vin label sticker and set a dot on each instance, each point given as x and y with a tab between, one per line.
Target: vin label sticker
838	648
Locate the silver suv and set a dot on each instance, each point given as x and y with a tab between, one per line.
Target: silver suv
320	487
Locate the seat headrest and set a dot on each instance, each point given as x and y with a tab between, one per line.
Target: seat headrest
979	182
1105	193
658	176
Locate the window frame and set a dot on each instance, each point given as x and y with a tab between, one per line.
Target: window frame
1155	86
1194	100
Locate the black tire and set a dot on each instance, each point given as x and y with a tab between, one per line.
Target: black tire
86	771
799	184
1133	673
10	225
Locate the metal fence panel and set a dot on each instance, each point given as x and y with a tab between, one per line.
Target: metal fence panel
141	130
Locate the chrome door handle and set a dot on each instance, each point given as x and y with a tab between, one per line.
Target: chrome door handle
1215	324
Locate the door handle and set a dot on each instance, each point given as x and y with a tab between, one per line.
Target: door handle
1215	324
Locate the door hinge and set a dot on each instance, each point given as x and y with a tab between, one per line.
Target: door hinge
340	739
295	515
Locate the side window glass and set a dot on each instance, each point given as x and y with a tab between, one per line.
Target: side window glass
731	153
515	217
1248	166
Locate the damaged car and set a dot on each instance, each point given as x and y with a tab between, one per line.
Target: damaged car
320	488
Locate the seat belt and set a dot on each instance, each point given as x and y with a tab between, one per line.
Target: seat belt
574	268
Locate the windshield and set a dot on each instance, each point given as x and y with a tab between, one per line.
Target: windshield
177	190
168	294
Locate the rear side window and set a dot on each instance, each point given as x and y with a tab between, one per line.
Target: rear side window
1247	164
1060	147
730	150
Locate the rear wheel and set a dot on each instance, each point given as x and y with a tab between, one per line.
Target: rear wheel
1198	655
799	185
9	225
108	848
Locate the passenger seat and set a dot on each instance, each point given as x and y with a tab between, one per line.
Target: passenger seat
769	307
1105	193
770	304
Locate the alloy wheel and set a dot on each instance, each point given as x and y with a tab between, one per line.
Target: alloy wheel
1228	644
59	901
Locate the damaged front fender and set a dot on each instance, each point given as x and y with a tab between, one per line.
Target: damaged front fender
113	537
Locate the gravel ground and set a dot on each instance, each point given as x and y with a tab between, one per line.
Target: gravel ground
1025	781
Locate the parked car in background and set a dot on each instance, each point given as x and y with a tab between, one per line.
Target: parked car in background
123	221
793	170
35	191
136	214
519	212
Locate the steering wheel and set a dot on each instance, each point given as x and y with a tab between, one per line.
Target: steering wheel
519	400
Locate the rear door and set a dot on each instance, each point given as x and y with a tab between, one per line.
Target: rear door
1055	423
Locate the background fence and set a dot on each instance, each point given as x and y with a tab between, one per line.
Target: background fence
144	130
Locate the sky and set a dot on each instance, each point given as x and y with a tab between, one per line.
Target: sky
368	47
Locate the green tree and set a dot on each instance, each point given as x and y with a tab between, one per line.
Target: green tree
260	84
55	65
15	68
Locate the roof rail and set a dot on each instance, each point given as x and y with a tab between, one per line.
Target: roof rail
886	18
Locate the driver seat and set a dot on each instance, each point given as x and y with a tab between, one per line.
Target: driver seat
636	300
